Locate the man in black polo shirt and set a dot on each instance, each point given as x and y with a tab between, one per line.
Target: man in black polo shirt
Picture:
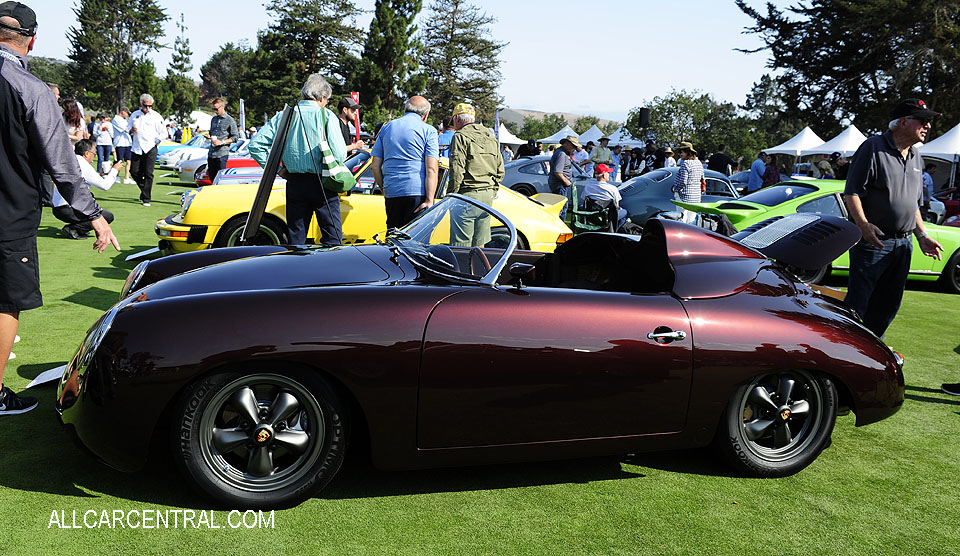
32	138
883	195
346	110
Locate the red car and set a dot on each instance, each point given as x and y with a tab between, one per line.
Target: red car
232	162
443	345
951	201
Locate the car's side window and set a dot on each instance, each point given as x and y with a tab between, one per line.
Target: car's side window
535	168
828	204
718	187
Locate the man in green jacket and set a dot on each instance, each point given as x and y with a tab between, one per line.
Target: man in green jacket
476	170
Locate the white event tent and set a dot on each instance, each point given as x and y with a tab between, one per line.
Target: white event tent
593	134
507	138
623	137
796	145
846	143
565	132
946	147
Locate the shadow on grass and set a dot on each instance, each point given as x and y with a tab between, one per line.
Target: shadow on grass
956	349
44	459
922	389
359	479
97	298
928	399
31	372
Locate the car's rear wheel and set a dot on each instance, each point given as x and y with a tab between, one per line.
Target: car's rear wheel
200	172
269	233
807	276
950	277
778	423
260	440
525	189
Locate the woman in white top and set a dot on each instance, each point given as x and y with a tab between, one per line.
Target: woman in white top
103	132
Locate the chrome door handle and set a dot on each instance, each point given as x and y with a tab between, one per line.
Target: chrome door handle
667	336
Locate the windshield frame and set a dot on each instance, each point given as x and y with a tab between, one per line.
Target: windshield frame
488	279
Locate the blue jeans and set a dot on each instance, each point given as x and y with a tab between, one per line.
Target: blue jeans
877	279
103	155
565	191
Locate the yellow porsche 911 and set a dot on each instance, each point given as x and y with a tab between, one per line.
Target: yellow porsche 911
214	215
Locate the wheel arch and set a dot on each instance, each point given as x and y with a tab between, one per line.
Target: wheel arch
267	217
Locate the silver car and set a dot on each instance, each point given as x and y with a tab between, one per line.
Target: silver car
529	175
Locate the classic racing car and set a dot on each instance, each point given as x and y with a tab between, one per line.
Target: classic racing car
431	349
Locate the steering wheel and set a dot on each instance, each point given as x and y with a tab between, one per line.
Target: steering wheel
483	259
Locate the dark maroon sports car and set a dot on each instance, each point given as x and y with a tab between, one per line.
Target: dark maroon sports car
440	351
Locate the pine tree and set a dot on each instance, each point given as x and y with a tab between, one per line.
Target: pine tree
387	71
112	40
226	74
461	63
185	94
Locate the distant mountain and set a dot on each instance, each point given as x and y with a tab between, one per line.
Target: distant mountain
516	116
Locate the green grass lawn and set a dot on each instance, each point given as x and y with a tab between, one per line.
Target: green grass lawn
889	488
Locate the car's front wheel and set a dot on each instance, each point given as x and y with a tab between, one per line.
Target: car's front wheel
269	233
777	424
261	439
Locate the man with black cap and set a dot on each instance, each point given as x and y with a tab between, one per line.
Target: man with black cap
32	138
883	196
346	113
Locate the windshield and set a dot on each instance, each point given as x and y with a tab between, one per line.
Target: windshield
459	239
776	194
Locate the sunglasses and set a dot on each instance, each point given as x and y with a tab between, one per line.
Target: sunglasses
923	121
146	105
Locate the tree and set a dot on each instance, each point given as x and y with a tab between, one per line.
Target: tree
853	59
698	118
184	93
308	36
584	123
534	128
461	63
610	127
51	70
224	75
112	39
143	79
387	71
773	120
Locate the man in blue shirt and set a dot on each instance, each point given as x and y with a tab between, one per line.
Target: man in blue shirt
405	163
446	137
757	170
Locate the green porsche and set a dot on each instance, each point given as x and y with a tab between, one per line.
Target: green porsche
825	197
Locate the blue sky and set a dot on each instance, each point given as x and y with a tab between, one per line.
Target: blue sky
601	58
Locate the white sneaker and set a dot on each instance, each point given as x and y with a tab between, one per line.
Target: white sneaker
146	204
17	339
129	181
12	356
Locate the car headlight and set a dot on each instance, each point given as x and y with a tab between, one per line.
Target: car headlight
133	279
185	199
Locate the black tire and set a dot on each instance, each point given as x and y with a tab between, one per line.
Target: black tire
525	189
778	423
815	276
270	233
199	173
500	236
259	440
950	277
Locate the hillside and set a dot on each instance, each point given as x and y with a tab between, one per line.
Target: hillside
516	116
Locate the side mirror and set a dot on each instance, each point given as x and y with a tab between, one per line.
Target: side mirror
523	271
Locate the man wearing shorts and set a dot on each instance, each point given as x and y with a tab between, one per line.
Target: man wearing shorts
121	140
33	137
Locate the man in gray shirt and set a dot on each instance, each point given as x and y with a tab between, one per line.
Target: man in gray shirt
34	139
882	195
223	133
561	169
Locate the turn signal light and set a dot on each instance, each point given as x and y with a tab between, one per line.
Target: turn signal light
563	238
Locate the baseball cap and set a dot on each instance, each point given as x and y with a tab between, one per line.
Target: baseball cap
347	102
23	14
602	168
913	107
464	108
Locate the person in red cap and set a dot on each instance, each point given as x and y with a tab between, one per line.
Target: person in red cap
34	139
602	192
883	195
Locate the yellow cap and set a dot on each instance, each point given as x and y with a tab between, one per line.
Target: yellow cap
464	108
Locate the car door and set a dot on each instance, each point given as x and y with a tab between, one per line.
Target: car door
505	366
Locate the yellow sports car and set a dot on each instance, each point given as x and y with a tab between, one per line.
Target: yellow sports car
214	216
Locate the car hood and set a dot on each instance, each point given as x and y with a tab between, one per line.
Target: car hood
292	268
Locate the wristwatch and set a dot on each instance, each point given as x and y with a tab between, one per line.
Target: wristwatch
922	235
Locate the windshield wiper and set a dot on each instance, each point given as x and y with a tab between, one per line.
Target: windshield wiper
433	257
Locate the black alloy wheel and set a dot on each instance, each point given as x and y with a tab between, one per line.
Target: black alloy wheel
778	423
260	440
